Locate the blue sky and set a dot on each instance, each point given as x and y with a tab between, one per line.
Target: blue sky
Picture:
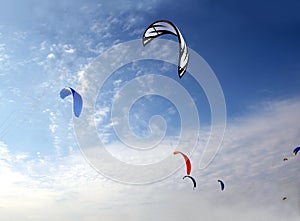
253	49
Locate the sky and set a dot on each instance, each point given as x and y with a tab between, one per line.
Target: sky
243	73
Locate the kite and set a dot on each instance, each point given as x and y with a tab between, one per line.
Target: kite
221	184
163	27
187	162
295	151
194	181
77	99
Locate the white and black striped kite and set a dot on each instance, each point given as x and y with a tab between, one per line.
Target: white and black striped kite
163	27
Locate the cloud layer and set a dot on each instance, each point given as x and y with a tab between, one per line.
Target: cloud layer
250	163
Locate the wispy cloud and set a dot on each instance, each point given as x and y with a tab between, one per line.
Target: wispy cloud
250	163
55	52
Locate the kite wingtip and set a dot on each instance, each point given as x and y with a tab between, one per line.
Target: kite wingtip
145	40
181	72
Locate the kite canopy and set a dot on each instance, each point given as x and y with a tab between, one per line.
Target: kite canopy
187	162
162	27
222	185
193	180
77	99
295	151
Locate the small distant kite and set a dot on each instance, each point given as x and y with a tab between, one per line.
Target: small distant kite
77	99
194	181
222	185
187	162
163	27
295	151
284	198
285	159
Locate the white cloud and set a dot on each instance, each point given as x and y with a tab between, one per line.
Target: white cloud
69	49
100	114
250	163
21	156
51	56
